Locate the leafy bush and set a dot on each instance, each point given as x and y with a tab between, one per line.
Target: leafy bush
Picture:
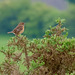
54	54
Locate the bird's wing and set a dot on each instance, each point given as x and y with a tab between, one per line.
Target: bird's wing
18	29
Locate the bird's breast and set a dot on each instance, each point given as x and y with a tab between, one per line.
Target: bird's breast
22	30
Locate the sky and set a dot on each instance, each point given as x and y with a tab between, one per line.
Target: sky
59	4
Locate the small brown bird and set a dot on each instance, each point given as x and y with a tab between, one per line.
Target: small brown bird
19	29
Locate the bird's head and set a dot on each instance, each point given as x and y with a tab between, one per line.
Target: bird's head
21	23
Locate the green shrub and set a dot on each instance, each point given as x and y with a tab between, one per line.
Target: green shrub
54	54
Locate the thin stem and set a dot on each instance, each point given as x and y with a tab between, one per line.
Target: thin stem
26	55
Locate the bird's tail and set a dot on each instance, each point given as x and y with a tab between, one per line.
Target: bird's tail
10	32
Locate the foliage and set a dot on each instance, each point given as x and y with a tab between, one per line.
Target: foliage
72	1
37	16
54	54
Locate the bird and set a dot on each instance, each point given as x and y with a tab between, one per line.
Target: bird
18	30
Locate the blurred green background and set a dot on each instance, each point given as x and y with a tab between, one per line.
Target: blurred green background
37	14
